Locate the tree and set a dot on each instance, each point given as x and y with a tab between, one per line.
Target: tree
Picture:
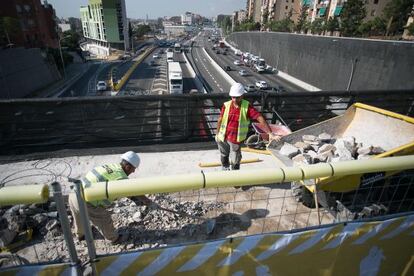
372	27
303	19
332	25
284	25
317	26
396	13
410	29
71	40
9	26
352	16
141	30
265	17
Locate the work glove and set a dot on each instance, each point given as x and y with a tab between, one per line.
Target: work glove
274	137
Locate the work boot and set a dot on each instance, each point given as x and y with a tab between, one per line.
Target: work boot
235	167
225	162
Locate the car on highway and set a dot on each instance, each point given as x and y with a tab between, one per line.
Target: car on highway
243	73
155	56
227	68
152	63
224	53
250	88
218	52
261	84
101	86
237	62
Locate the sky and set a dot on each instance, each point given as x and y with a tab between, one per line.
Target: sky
156	8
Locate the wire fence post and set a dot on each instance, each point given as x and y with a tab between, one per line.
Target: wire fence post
86	224
64	221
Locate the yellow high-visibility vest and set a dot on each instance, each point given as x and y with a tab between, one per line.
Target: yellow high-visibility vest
243	122
103	173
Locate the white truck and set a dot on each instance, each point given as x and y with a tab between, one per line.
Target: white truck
175	78
170	56
259	65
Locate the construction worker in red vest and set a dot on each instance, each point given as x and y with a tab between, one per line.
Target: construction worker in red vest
233	126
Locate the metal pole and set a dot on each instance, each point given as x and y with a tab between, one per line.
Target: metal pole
352	74
85	222
61	58
315	193
63	217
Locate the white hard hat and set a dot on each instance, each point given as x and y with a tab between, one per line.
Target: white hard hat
132	158
236	90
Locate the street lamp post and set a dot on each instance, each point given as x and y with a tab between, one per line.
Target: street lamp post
61	56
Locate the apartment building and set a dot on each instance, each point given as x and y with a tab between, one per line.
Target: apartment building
105	26
34	24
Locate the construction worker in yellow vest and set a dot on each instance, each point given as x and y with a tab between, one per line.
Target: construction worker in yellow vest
233	126
97	210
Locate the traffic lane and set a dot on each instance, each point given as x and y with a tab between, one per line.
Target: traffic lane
271	78
142	77
80	87
216	81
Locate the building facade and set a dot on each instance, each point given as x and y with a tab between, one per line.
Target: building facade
105	25
31	24
187	19
332	8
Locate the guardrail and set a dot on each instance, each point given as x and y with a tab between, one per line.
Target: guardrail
36	125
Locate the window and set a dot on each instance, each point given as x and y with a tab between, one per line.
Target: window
18	8
286	7
376	1
373	13
27	8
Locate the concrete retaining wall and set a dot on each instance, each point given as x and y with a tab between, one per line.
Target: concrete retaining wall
23	71
326	62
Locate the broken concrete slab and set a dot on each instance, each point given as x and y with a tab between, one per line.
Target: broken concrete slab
289	150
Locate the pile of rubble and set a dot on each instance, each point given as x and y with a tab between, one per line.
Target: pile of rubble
146	227
324	148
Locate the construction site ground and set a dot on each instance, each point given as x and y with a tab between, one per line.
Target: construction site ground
260	209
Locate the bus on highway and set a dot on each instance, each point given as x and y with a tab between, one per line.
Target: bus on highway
175	78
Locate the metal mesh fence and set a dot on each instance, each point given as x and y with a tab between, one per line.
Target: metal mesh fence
37	125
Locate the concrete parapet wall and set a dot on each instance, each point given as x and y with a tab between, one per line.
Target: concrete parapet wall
327	62
23	71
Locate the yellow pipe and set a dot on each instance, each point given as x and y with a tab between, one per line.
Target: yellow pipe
217	164
266	152
175	183
27	194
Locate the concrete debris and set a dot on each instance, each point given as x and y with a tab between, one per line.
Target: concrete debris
325	137
145	227
309	138
289	150
6	237
302	146
325	148
51	224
